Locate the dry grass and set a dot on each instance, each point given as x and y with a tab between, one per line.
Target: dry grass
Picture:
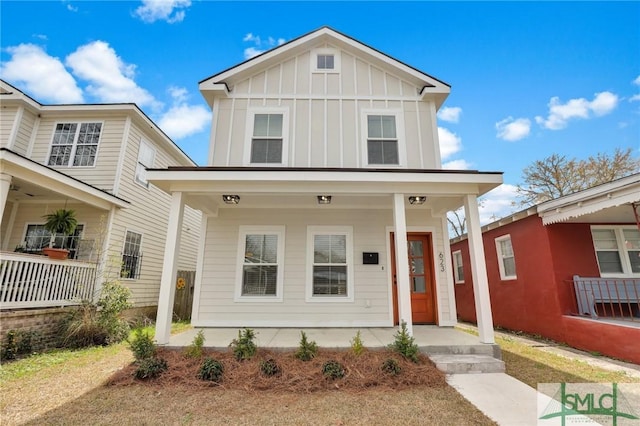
78	393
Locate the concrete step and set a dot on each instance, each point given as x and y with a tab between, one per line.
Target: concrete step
477	349
465	364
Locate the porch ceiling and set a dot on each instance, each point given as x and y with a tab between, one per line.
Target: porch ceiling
299	188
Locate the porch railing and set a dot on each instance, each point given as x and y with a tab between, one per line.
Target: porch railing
608	297
30	281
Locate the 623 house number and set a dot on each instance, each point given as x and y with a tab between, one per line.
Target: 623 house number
441	261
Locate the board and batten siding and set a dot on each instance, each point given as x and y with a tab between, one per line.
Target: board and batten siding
102	174
148	215
325	113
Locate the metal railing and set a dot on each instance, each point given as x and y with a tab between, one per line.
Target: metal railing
617	298
31	281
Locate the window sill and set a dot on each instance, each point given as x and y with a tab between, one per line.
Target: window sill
258	299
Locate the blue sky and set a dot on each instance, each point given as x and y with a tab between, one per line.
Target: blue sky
528	78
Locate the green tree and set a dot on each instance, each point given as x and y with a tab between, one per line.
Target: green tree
557	175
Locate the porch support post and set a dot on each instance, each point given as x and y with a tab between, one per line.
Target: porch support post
12	220
169	269
5	184
479	270
402	262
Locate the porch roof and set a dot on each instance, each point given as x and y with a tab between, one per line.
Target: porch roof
34	181
264	187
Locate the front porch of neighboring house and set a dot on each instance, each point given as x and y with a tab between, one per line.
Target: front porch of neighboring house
378	211
29	279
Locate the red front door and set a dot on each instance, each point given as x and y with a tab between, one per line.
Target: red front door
421	278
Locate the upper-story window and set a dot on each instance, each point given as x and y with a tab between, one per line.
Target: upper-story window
325	60
382	140
146	157
75	144
267	145
617	249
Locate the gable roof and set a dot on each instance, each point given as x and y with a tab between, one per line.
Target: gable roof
9	92
221	81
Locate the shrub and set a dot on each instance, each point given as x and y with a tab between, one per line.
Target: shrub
357	346
333	370
98	323
150	368
391	366
307	350
211	370
405	344
269	367
142	345
17	343
196	348
244	347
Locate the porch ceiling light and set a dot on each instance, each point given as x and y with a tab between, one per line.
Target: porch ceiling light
417	199
231	199
324	199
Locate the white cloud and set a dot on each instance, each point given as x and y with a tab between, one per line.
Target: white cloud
457	165
71	8
559	114
511	129
183	120
637	81
110	79
450	114
497	203
260	46
450	143
634	98
162	10
43	76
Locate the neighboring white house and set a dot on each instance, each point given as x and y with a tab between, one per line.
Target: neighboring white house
324	199
92	159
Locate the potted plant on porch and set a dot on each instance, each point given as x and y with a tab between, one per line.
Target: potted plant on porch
60	222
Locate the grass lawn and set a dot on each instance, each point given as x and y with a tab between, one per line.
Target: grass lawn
68	387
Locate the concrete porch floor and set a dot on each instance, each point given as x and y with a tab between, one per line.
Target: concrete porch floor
430	338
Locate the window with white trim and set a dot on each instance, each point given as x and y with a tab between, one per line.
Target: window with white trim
131	256
325	60
382	140
617	250
146	158
267	140
260	263
506	258
330	257
36	238
458	269
75	144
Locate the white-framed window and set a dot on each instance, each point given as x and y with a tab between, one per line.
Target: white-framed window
325	60
260	270
267	144
383	135
458	269
146	158
506	258
131	256
330	264
36	237
617	249
75	144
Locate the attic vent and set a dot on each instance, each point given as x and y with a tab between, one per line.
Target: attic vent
325	62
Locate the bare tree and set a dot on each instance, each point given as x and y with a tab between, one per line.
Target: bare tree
558	175
457	222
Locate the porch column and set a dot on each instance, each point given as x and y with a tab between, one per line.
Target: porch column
12	219
402	262
5	184
169	269
479	270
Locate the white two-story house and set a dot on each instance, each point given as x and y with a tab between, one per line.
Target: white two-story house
91	159
324	197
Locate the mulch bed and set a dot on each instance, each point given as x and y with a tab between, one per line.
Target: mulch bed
362	372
